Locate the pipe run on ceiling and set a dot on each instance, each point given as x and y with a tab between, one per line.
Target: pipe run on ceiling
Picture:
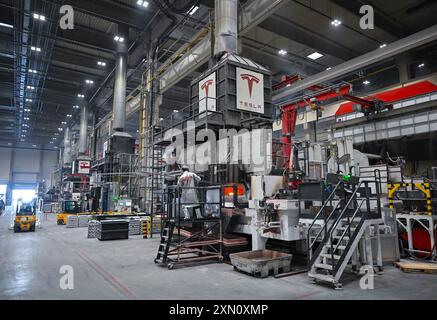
393	49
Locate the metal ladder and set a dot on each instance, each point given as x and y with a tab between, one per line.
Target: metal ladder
166	238
331	250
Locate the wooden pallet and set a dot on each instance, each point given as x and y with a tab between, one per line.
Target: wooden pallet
413	266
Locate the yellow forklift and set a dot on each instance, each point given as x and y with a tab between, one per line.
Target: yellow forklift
25	218
68	208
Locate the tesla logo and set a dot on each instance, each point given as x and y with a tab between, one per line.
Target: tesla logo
206	85
250	80
84	165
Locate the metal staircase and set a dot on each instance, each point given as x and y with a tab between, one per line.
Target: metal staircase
337	242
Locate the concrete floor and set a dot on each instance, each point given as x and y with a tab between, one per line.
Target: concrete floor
31	262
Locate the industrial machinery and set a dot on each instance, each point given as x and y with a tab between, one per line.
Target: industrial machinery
25	217
68	207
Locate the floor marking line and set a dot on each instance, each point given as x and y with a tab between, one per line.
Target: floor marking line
111	278
105	277
306	295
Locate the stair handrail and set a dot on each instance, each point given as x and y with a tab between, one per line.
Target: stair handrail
349	226
350	220
329	232
342	212
322	209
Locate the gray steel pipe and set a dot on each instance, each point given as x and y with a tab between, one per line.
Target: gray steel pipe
83	130
226	26
402	45
119	102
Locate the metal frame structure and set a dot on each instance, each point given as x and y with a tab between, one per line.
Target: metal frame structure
425	188
204	242
429	223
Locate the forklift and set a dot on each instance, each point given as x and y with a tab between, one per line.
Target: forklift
25	218
69	207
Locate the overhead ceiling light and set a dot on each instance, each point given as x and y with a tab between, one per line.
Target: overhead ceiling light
35	49
119	39
29	100
161	119
34	145
335	22
142	3
315	56
25	125
366	82
32	71
6	25
63	122
421	65
60	129
383	45
329	68
26	118
193	10
39	17
80	95
89	81
22	140
69	115
76	107
9	143
101	63
282	52
51	142
56	134
26	110
30	88
175	111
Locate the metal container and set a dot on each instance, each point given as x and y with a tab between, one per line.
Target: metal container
226	91
261	263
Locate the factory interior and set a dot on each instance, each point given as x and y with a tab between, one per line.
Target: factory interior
218	150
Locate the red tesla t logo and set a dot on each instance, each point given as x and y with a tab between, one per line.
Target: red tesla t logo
206	85
250	80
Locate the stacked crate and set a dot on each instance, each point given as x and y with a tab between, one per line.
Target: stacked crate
72	221
83	221
93	227
134	227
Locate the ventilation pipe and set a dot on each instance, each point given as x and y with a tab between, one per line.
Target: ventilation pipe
119	102
83	130
226	27
67	146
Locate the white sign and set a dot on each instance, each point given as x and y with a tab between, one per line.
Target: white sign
250	91
84	167
208	93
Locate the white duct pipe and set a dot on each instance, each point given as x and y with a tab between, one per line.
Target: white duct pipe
67	146
226	26
119	102
83	130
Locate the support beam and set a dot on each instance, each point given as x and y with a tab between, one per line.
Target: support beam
393	49
382	21
290	30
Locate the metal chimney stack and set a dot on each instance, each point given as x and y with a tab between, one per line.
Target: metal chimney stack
226	27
